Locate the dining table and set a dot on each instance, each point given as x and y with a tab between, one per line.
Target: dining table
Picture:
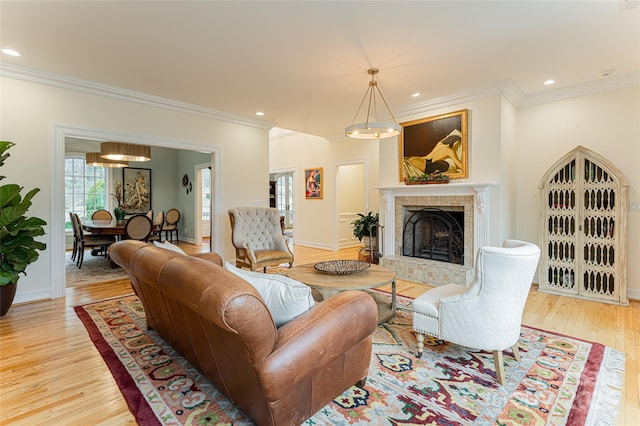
104	226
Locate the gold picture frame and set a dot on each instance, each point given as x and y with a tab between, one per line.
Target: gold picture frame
313	183
437	144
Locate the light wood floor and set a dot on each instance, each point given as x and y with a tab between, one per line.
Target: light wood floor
50	372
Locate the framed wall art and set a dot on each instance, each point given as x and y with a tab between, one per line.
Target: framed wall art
436	144
136	190
313	183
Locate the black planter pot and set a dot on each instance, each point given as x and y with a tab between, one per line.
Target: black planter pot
7	293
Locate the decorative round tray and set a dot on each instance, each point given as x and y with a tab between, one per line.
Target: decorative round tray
341	267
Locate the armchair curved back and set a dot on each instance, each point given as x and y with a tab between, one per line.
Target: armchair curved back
259	226
488	314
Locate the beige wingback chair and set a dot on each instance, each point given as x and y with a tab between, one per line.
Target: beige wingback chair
257	237
487	315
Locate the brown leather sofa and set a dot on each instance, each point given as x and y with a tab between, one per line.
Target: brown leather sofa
218	321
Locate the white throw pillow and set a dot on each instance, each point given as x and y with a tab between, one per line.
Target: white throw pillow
286	298
168	246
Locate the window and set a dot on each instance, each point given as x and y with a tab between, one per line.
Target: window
206	194
84	188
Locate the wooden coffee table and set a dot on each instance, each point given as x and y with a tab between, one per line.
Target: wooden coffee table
327	285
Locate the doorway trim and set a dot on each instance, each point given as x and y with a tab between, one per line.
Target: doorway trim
61	131
198	200
296	201
335	244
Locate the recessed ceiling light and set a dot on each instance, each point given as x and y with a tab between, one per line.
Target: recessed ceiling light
260	113
415	95
606	73
10	52
549	82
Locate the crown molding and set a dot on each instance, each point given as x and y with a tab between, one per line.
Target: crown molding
589	88
507	88
65	82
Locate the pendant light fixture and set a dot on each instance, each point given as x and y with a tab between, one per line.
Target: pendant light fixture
95	159
125	151
373	129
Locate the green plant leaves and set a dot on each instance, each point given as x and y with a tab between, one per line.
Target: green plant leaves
18	247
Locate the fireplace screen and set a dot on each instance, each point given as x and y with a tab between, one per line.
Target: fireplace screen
435	234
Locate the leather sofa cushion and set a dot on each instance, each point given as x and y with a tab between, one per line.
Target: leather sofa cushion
286	298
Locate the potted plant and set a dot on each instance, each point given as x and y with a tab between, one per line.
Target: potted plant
17	233
366	227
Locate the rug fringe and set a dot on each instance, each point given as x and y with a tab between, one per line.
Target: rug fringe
607	392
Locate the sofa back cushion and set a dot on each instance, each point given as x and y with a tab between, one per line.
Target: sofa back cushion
286	298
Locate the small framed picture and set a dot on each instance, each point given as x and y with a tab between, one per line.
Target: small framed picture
313	183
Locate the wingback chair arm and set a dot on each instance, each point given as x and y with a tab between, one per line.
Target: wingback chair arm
282	243
319	335
249	249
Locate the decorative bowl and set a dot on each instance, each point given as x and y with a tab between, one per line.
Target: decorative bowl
341	267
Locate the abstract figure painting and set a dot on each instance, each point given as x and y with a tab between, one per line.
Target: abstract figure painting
137	189
435	145
313	183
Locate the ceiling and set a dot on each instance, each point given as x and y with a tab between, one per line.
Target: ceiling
304	63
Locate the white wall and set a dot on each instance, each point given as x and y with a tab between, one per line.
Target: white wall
315	220
486	159
30	114
607	123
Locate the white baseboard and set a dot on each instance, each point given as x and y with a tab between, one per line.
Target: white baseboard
313	245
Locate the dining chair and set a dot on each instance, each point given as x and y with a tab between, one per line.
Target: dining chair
101	215
158	222
76	237
138	227
171	224
486	315
89	241
150	214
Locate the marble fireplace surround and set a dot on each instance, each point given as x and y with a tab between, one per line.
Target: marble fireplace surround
398	200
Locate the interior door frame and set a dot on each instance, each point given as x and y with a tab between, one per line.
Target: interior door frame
59	132
197	172
294	172
335	244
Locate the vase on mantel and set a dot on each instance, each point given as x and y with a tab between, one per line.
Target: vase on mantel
119	214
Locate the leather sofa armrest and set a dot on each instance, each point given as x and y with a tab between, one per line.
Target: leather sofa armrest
316	338
211	257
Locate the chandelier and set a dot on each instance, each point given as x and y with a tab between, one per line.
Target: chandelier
373	129
120	151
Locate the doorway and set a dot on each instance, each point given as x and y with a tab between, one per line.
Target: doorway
284	198
57	225
352	197
204	206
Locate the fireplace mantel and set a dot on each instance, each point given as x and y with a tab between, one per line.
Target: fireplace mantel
477	196
480	190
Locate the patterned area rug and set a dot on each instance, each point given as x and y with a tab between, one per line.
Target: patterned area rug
560	380
95	269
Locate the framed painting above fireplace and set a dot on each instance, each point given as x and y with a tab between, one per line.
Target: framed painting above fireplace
436	144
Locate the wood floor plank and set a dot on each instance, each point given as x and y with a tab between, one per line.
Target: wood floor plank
51	373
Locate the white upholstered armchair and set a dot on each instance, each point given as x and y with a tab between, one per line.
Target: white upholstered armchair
487	315
257	237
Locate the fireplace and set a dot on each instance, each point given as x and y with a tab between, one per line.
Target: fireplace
432	231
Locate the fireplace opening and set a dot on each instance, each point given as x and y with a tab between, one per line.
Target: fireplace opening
436	234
